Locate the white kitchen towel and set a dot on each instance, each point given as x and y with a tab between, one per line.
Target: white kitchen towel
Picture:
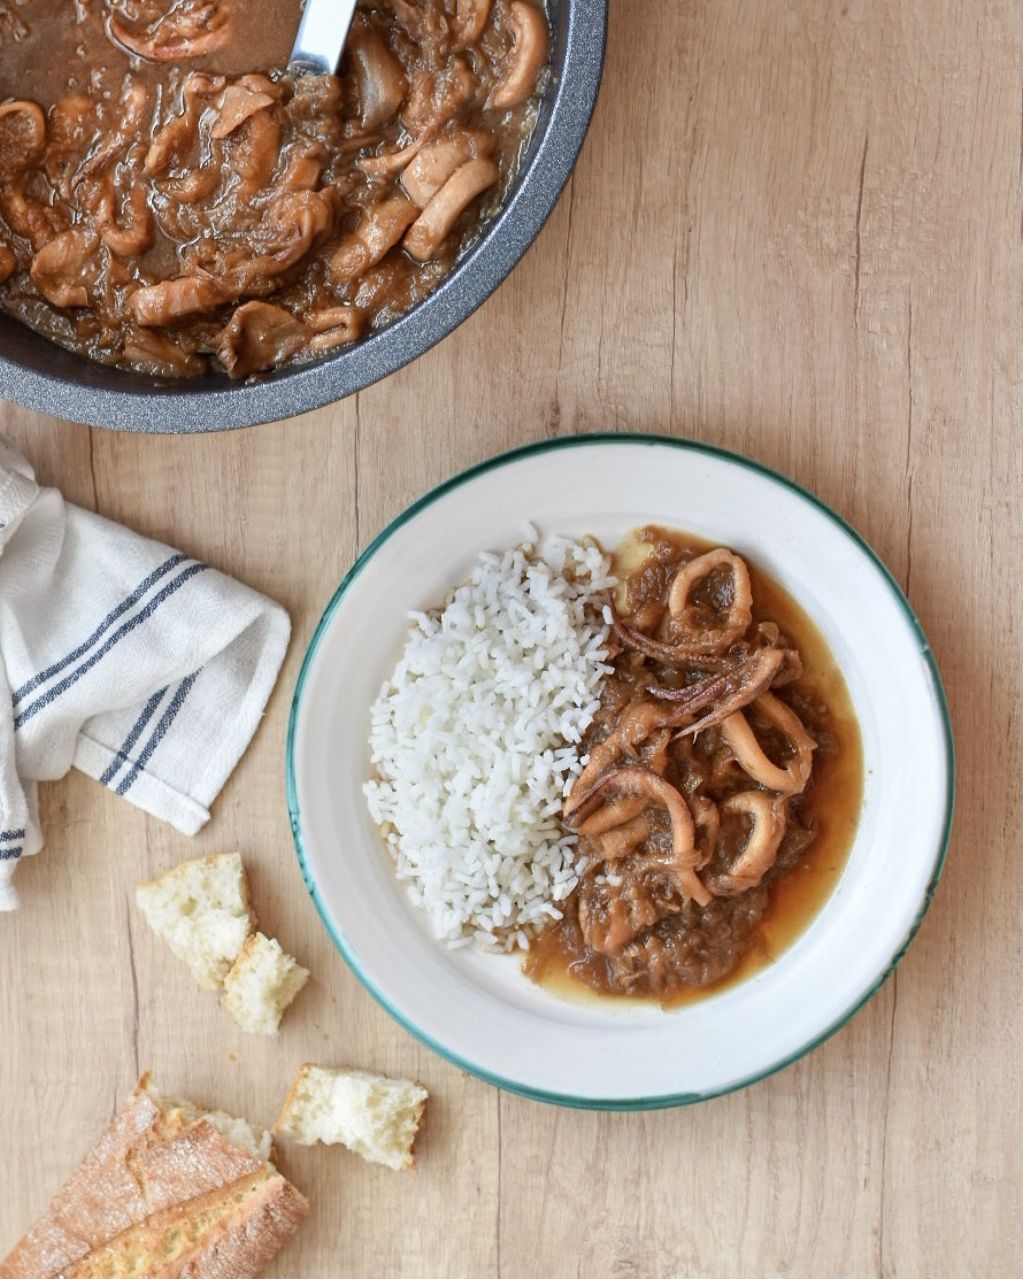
144	668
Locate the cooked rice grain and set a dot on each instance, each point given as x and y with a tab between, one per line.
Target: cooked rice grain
474	740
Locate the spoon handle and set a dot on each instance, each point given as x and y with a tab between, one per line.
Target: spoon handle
321	36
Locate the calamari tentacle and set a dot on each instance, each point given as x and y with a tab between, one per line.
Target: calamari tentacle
642	783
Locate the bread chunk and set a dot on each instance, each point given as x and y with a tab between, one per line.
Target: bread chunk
252	1139
164	1193
376	1117
261	984
201	909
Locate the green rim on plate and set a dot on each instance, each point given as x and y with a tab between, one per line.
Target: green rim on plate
653	442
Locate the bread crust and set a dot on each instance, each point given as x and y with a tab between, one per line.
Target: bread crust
290	1099
247	1240
146	1165
249	945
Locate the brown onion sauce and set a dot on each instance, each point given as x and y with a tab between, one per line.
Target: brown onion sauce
796	896
50	51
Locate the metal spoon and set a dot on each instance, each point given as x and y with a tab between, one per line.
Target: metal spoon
321	37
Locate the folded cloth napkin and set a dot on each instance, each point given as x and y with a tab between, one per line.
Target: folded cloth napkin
142	667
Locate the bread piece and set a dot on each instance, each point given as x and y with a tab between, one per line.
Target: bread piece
162	1194
255	1141
201	910
261	984
376	1117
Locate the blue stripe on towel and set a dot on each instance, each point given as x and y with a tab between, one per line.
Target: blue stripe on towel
164	722
10	854
143	615
5	835
102	629
121	756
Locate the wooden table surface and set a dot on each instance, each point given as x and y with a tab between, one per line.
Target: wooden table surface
795	231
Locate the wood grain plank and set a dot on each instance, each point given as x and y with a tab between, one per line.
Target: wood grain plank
796	231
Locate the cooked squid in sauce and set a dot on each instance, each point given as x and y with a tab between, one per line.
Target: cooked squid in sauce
172	202
722	786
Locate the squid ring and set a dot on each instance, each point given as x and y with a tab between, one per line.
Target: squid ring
788	780
767	815
641	782
739	615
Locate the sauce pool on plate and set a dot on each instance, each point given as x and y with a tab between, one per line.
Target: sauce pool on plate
789	897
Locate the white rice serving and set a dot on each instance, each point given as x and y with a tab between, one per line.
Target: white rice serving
475	736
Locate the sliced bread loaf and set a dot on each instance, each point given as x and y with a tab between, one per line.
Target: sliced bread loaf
163	1193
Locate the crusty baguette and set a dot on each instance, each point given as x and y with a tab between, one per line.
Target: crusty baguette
228	1234
241	1245
166	1187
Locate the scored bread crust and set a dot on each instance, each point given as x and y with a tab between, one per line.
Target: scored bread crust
146	1165
248	1239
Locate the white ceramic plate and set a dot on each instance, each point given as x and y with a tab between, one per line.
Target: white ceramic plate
478	1010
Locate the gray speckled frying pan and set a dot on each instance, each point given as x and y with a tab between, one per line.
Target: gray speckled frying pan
39	375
